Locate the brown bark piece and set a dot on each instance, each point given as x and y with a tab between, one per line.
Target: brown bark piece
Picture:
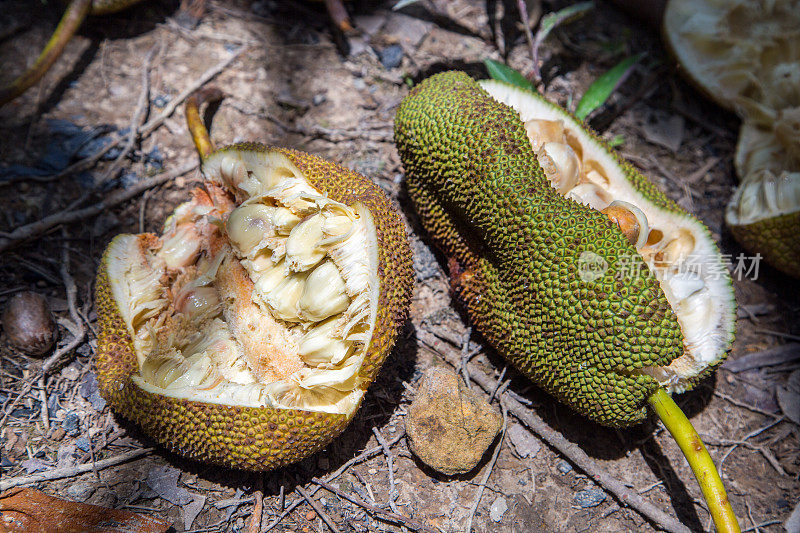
25	509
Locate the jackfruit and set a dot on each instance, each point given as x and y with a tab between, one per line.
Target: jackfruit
240	336
599	309
746	56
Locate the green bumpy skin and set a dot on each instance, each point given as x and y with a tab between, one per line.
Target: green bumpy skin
775	238
515	247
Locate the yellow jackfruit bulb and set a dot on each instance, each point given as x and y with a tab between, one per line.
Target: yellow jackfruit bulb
223	353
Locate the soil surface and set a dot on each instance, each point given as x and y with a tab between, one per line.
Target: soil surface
299	83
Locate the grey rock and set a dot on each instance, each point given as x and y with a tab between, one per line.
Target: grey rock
498	509
564	467
589	498
391	56
84	444
425	265
88	385
72	424
79	491
97	401
525	444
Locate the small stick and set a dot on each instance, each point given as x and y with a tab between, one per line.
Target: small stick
137	119
153	123
374	510
35	229
366	454
465	355
488	472
60	473
319	510
499	384
747	406
526	26
258	506
73	18
390	463
43	400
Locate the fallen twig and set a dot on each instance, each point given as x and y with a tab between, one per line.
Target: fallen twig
747	406
366	454
258	507
35	229
318	509
146	129
390	464
60	473
373	510
137	119
570	450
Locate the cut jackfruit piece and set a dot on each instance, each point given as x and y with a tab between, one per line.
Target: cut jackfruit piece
599	308
764	212
746	56
738	50
230	353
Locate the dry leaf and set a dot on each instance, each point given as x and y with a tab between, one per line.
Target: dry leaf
25	509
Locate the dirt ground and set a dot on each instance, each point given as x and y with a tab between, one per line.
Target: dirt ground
293	85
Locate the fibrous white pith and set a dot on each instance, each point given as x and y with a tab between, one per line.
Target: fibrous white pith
677	249
260	292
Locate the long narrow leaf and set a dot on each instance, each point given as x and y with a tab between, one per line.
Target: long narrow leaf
568	14
403	3
502	72
599	91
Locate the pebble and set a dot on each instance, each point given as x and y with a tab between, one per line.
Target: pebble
88	385
79	491
83	443
97	401
525	444
72	424
564	467
425	265
589	498
391	56
498	509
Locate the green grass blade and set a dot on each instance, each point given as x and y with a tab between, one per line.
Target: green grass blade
599	91
568	14
502	72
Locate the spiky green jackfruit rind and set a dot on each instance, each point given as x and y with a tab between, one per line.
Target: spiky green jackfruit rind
657	198
251	438
776	239
517	249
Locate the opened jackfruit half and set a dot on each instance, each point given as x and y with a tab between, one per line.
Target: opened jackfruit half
248	332
576	267
746	56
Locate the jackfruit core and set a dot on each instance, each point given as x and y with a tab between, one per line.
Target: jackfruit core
261	292
675	248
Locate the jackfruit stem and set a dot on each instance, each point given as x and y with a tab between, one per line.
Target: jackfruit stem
69	24
699	460
200	136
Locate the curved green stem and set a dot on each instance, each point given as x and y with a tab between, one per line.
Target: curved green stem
699	460
200	136
70	22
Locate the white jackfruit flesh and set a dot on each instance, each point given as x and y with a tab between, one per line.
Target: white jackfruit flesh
260	292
